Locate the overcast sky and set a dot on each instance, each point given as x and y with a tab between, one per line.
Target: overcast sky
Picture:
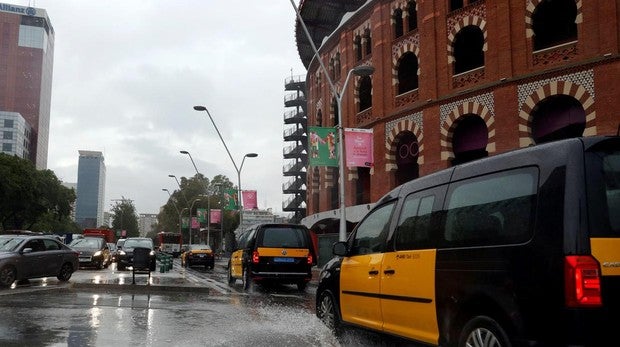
128	73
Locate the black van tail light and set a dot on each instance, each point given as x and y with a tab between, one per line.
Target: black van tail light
582	281
255	257
309	259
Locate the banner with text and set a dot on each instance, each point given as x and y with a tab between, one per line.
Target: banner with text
322	146
195	224
249	199
358	147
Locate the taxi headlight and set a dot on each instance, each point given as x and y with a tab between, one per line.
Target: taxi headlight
121	252
98	253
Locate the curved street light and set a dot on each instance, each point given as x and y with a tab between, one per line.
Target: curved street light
237	168
180	189
175	207
190	219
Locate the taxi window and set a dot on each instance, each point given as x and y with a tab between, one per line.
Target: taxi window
371	233
284	237
414	230
603	185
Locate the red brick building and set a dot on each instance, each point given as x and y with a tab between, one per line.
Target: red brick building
454	81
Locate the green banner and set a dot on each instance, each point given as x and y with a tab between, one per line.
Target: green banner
322	146
202	215
231	199
185	222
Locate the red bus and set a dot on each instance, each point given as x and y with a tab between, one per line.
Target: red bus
170	243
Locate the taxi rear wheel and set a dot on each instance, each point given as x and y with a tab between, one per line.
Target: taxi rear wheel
231	279
483	331
247	279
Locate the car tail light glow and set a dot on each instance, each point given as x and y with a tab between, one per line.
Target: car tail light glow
255	257
310	259
582	281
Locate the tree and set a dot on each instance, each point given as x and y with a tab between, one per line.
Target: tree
33	199
125	217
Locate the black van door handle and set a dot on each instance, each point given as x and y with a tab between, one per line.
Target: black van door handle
373	272
389	272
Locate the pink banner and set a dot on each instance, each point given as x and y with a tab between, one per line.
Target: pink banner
358	147
195	223
249	199
216	216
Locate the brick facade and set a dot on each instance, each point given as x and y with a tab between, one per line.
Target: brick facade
503	92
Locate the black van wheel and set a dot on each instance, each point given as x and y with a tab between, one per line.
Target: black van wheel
483	331
8	274
231	279
247	279
65	272
327	311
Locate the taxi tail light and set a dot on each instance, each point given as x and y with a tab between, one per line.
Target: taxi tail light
310	259
582	281
255	257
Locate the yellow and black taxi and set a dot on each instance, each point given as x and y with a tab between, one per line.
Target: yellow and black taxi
273	253
198	255
518	249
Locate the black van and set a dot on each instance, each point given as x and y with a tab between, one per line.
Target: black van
273	253
518	249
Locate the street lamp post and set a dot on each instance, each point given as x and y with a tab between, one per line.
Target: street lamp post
180	189
190	220
181	223
237	168
207	195
362	70
175	207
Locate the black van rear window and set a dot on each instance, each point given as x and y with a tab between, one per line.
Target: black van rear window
284	237
603	184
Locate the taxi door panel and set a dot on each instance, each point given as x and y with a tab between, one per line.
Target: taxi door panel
359	284
408	295
236	263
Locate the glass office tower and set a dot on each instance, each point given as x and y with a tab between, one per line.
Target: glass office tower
90	189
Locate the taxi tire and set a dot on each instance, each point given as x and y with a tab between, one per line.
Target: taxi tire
231	279
483	331
327	311
246	278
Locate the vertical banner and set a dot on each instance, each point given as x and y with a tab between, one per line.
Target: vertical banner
230	196
322	146
195	224
216	216
202	215
358	147
249	199
185	222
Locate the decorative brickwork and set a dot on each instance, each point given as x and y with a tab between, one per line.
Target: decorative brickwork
481	105
555	55
468	78
407	98
578	85
412	123
364	117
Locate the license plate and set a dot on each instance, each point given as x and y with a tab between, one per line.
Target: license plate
283	260
201	255
85	260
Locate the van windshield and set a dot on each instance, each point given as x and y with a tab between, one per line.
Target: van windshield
284	237
604	193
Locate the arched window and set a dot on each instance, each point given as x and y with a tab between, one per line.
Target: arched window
470	139
407	151
332	69
557	117
336	111
337	66
397	16
357	42
407	73
367	42
456	4
468	53
553	22
319	118
413	15
365	93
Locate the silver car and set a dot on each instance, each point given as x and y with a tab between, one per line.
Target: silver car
26	256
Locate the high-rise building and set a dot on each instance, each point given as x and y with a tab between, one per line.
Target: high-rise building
27	57
90	189
146	223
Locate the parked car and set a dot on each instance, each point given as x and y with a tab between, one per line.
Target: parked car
518	249
273	253
124	257
113	250
94	252
34	256
198	255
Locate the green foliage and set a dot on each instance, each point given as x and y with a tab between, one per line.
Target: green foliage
193	188
33	199
125	217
